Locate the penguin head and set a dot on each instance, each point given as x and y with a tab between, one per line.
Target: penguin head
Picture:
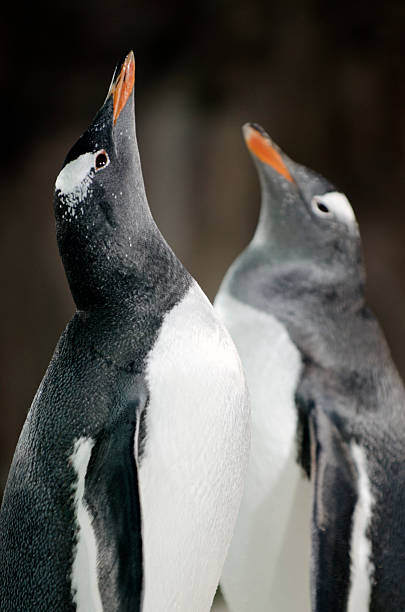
102	215
304	219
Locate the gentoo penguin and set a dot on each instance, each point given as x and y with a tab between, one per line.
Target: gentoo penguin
327	465
127	478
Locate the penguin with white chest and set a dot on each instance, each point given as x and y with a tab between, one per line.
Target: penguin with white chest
325	493
127	478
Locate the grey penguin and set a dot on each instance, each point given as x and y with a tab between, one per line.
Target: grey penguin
128	474
321	524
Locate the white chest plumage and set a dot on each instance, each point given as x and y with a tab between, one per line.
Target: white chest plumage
192	471
267	567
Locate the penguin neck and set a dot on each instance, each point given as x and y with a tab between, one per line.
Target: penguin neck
340	287
266	281
272	232
119	275
338	290
265	227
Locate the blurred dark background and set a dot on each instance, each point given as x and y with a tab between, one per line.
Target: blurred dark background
324	78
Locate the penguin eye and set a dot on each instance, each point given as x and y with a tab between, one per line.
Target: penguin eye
102	160
322	207
334	205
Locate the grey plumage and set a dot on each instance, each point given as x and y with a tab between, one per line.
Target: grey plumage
304	269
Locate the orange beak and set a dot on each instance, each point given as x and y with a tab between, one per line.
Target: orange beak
262	147
122	87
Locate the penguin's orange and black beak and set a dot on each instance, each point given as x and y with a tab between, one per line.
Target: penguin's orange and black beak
122	84
263	148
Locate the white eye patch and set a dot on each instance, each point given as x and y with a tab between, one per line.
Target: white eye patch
74	180
334	204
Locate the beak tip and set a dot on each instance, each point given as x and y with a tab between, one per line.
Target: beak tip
251	130
264	149
246	131
123	84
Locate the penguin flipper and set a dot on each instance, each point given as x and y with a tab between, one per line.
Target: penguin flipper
112	496
335	496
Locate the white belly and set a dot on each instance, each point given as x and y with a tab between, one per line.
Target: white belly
193	469
268	564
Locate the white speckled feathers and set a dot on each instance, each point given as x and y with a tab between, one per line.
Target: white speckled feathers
74	181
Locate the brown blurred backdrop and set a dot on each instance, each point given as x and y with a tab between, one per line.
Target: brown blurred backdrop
324	78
